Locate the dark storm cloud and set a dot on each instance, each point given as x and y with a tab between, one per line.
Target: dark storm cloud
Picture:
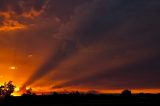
95	22
63	9
143	31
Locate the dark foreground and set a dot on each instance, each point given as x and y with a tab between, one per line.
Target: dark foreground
75	99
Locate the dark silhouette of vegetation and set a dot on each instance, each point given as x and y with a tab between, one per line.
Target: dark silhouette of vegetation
76	98
28	92
7	89
126	93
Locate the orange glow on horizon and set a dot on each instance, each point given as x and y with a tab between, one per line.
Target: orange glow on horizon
47	90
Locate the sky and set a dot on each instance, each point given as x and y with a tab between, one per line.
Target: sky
102	45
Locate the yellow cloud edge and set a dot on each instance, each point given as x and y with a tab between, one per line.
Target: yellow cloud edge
12	28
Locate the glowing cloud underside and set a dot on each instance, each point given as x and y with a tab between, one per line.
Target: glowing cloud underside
11	26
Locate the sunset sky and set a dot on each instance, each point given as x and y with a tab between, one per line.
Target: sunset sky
103	45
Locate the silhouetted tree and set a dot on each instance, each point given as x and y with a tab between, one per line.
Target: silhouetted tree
29	91
126	93
7	89
55	93
10	88
74	93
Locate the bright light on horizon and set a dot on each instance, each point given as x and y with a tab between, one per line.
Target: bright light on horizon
17	89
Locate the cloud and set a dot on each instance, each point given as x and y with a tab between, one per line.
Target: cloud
141	34
64	9
14	12
11	25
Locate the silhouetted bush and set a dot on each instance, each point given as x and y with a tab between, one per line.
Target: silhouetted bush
28	92
126	93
